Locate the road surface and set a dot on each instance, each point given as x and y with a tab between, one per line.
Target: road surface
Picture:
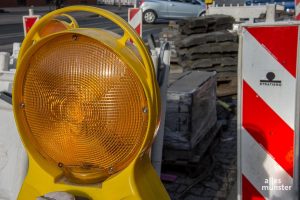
10	33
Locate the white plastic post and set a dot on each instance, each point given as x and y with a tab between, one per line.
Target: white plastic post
270	15
4	61
14	56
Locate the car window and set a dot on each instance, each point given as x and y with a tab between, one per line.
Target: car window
192	1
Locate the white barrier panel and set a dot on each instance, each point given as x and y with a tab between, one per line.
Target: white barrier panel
135	19
29	20
13	158
268	116
297	9
4	61
240	11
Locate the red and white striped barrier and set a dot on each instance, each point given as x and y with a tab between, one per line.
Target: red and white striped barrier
267	120
29	20
297	9
135	19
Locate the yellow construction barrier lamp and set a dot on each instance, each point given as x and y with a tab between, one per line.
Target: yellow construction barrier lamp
86	103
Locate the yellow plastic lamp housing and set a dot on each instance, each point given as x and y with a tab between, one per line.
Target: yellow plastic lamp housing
86	105
81	105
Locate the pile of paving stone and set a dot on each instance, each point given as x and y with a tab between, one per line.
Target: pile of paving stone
191	116
205	24
200	142
213	177
199	156
204	43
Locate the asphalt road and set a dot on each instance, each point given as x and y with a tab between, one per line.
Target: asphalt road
14	32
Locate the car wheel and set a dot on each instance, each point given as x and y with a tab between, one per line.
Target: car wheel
149	16
202	14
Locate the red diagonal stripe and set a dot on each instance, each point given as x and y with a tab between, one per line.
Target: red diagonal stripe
29	21
249	192
133	12
268	129
281	42
138	29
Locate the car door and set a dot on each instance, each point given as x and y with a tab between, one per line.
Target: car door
162	9
182	8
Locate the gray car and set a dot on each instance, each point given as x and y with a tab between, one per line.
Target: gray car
171	9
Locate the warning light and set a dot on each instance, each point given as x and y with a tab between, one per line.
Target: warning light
87	105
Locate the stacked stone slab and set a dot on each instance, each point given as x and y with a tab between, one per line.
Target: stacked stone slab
213	177
204	43
191	116
205	24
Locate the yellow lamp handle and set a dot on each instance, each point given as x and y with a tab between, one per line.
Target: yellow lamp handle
129	33
73	23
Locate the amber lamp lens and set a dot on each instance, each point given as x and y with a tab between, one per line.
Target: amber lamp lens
84	107
53	26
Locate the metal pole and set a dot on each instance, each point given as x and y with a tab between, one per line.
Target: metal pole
157	147
31	11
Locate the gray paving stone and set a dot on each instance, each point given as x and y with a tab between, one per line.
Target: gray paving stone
171	187
191	197
180	189
197	191
212	185
209	192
